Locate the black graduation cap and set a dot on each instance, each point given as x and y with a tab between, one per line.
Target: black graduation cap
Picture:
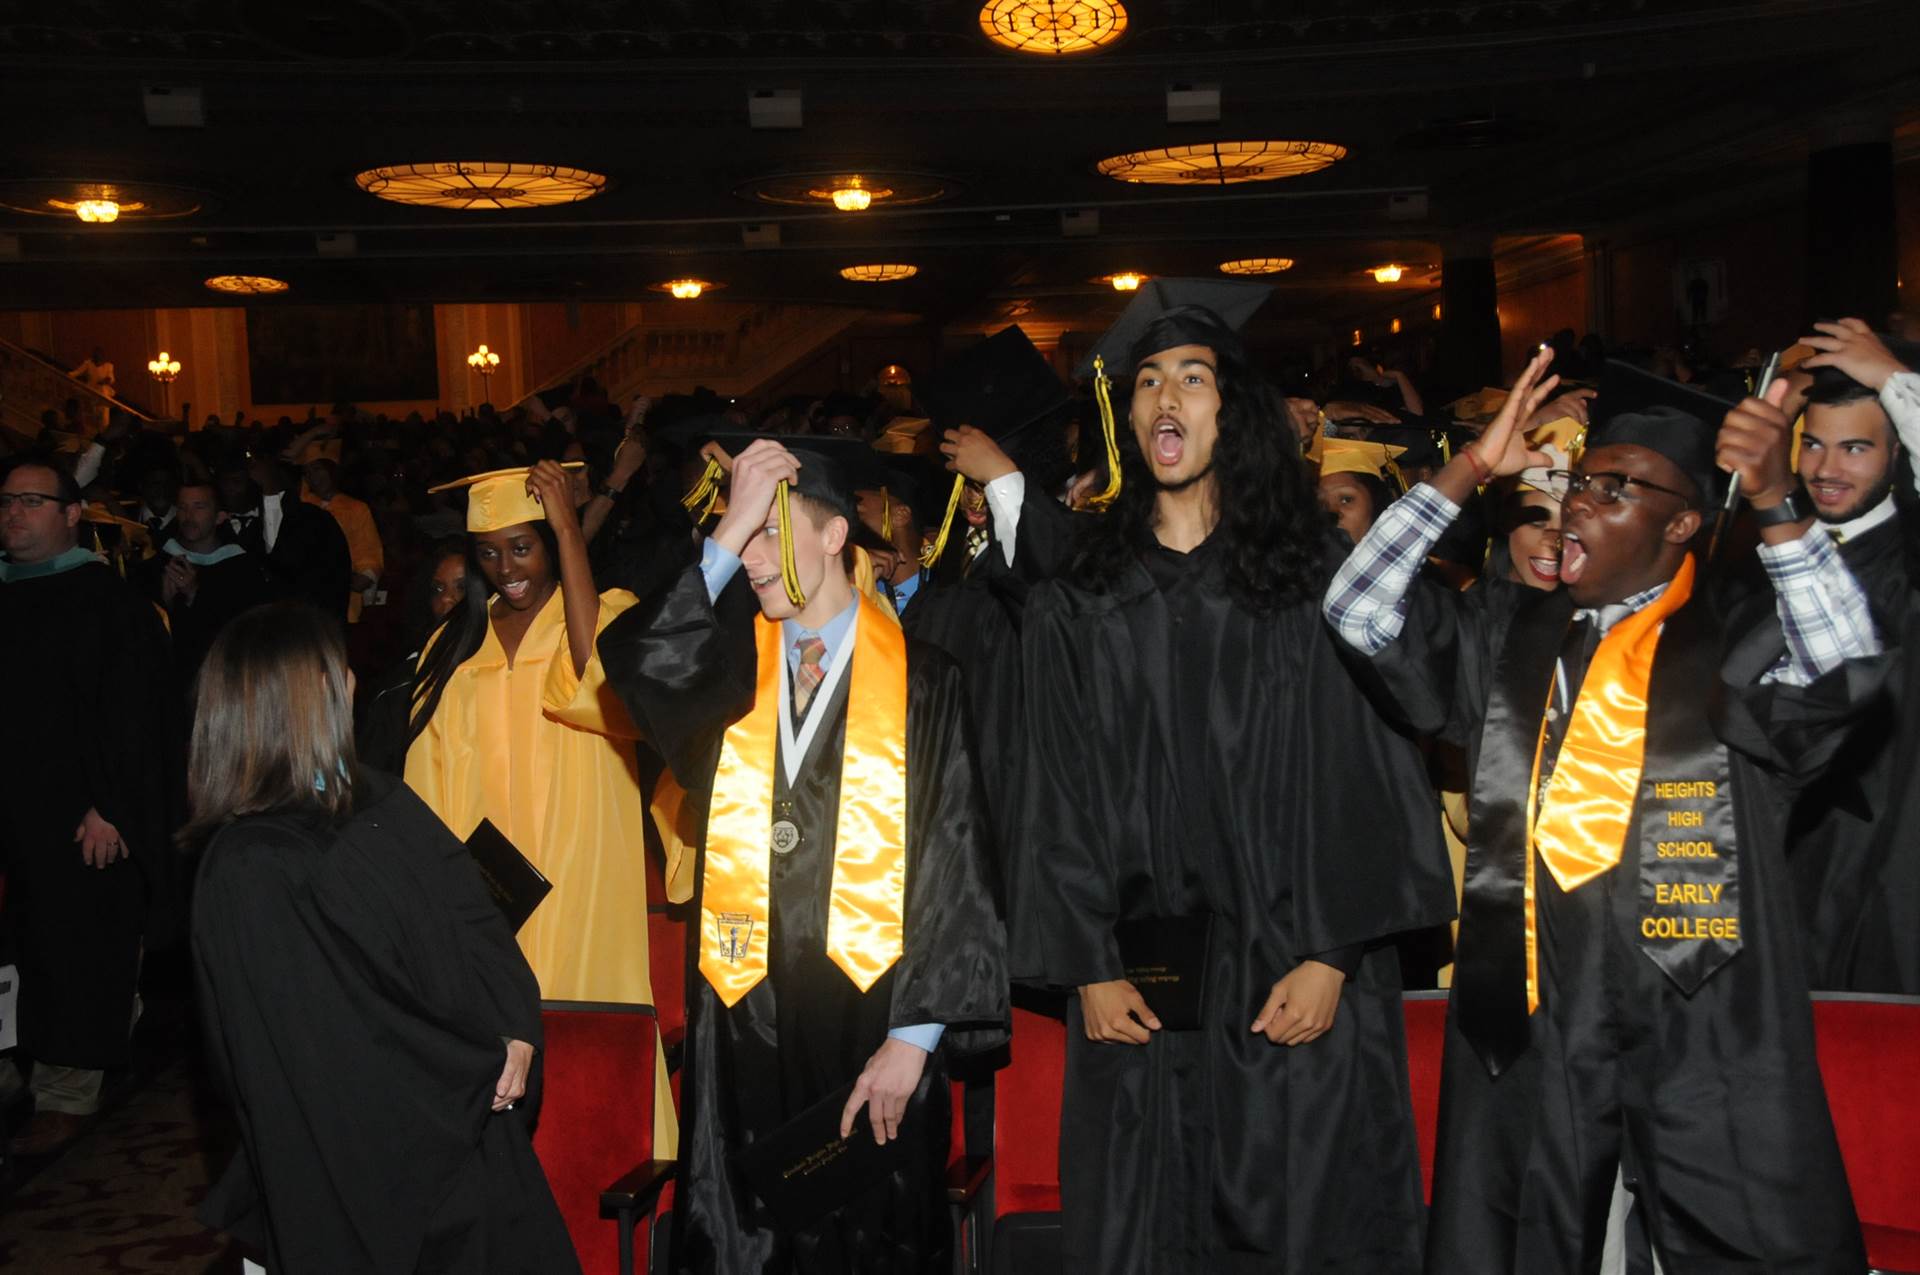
1002	386
1680	422
922	483
832	468
1232	301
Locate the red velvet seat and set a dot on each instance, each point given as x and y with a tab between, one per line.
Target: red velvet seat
596	1121
1026	1144
1870	1059
1426	1014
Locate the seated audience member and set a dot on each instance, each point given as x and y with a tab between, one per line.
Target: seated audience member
1855	836
364	1002
380	719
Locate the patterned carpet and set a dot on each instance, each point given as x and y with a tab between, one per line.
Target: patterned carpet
120	1199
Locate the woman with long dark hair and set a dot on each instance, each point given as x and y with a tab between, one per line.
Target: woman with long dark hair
362	996
1209	792
513	722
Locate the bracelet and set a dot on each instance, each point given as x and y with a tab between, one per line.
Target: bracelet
1479	466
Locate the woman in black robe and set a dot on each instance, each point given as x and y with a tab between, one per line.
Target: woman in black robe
364	1001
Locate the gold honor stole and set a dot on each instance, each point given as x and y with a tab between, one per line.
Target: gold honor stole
1580	824
867	905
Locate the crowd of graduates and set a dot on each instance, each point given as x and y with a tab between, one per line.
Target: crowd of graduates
1583	697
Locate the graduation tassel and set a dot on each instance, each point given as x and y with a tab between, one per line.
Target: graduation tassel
930	554
789	574
706	493
1103	396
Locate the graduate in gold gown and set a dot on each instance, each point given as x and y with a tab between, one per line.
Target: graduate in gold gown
513	722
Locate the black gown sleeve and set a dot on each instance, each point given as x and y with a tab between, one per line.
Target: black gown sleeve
1435	678
954	969
129	707
1044	546
1062	896
684	667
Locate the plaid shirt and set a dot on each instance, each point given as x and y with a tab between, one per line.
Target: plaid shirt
1823	611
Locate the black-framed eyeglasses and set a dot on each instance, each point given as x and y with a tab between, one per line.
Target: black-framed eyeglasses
28	500
1606	486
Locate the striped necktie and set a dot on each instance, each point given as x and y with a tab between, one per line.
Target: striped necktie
807	677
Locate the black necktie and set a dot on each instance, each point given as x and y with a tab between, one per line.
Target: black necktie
1576	653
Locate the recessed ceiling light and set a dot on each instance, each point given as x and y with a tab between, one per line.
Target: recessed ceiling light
253	285
1053	26
1222	163
1256	265
480	185
889	272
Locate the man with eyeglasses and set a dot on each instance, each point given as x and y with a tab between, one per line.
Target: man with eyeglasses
1630	1056
83	827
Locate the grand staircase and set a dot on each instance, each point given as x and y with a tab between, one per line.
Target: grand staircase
732	348
31	385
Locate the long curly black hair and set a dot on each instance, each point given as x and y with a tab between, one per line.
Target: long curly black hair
1271	526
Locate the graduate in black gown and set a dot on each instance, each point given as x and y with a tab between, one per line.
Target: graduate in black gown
1854	846
781	698
1199	750
366	1007
1629	1051
83	831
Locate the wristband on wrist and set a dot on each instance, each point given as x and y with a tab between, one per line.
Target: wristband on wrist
1483	474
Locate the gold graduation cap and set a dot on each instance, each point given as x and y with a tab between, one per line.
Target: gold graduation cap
905	436
1353	456
499	498
1563	434
320	449
1482	405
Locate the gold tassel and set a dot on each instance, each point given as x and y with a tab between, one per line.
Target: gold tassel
930	554
789	574
705	493
1102	395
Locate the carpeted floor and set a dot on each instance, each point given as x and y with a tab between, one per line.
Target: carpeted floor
120	1199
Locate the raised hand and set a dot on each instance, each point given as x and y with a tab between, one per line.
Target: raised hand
1851	346
757	474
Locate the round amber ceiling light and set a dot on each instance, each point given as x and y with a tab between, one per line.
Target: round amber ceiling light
1053	27
1388	274
1123	281
1256	265
1222	163
251	285
889	272
99	203
481	185
849	190
687	289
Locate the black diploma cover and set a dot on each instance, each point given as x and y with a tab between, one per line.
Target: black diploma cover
1165	958
805	1170
515	884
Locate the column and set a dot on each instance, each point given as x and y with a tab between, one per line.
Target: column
1852	256
1467	353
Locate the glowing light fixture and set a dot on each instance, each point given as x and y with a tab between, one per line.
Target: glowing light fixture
686	288
1221	163
1436	312
484	361
462	184
1394	327
252	285
889	272
852	197
1257	265
164	368
97	211
1356	337
1053	26
1388	274
1126	281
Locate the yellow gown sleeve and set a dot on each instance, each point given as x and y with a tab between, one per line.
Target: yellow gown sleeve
363	541
585	700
